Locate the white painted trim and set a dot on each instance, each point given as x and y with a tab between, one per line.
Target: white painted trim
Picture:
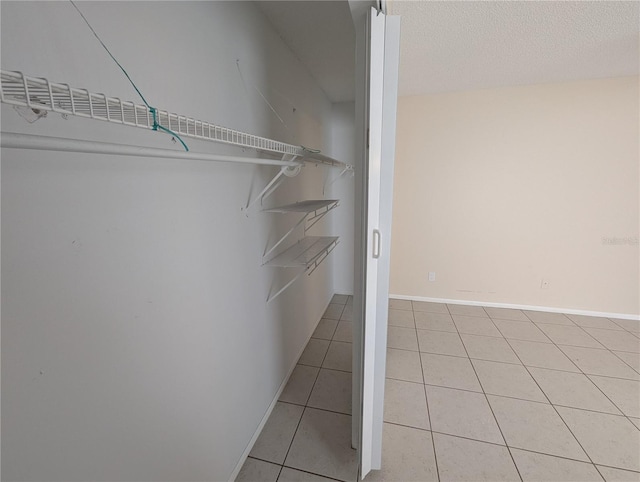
267	414
569	311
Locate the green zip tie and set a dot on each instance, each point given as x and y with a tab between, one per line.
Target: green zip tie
153	110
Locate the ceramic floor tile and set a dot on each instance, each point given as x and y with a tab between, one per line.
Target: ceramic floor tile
546	317
404	365
630	325
325	329
344	332
593	322
572	390
489	348
405	403
537	467
347	314
434	321
467	414
332	391
339	356
468	460
322	445
608	439
258	471
350	300
599	362
441	342
400	304
430	307
299	386
334	311
542	355
631	359
314	352
616	340
407	456
276	436
402	338
519	330
624	393
507	380
466	310
339	299
449	371
293	475
569	335
506	314
402	318
473	325
535	426
617	475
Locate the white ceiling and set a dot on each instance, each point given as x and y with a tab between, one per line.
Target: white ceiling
465	45
321	34
454	45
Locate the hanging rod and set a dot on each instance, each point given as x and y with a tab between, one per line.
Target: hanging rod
29	141
39	94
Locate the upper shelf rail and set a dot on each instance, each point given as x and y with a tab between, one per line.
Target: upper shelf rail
40	94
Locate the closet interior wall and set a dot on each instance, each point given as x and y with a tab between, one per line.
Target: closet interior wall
137	343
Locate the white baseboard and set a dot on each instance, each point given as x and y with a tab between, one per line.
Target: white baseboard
569	311
267	414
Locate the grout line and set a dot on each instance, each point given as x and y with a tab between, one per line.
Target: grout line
558	413
305	407
487	398
312	473
608	398
485	395
329	410
426	399
623	361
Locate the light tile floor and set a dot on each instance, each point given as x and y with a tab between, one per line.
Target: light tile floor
472	394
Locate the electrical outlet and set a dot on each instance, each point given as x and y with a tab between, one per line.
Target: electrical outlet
544	284
432	276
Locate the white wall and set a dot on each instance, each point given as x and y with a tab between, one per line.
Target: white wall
137	344
496	190
343	147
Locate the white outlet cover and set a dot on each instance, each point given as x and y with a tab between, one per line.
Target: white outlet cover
432	276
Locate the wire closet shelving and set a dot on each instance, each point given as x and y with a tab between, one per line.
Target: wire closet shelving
40	96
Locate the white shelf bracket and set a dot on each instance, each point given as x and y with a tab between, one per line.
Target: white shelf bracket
327	184
285	236
310	266
283	289
318	215
288	171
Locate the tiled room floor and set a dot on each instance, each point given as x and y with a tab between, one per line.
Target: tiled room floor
472	394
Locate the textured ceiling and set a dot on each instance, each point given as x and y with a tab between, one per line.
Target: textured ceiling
453	45
322	36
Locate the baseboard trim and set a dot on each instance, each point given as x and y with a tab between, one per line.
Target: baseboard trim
569	311
267	414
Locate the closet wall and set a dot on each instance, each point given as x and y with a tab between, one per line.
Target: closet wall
136	341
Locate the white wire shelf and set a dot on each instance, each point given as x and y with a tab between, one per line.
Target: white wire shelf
39	94
313	211
310	206
307	253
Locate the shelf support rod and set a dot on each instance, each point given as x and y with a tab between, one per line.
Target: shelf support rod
317	217
289	168
281	290
44	143
284	237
